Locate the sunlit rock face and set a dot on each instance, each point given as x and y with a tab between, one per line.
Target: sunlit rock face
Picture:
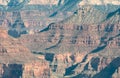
33	2
99	2
14	62
57	2
82	2
44	2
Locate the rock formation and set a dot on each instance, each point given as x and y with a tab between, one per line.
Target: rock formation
60	39
17	61
82	48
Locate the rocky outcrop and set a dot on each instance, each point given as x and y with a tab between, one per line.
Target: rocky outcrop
85	45
36	69
82	64
55	36
78	49
17	28
17	61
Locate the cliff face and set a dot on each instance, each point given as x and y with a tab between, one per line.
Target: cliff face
84	45
80	48
17	61
94	66
74	37
35	69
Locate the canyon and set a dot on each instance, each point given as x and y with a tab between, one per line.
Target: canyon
60	39
16	59
79	50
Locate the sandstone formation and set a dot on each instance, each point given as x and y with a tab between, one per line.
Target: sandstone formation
87	47
60	39
17	61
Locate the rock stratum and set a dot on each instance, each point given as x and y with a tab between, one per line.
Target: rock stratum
85	45
17	61
60	39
